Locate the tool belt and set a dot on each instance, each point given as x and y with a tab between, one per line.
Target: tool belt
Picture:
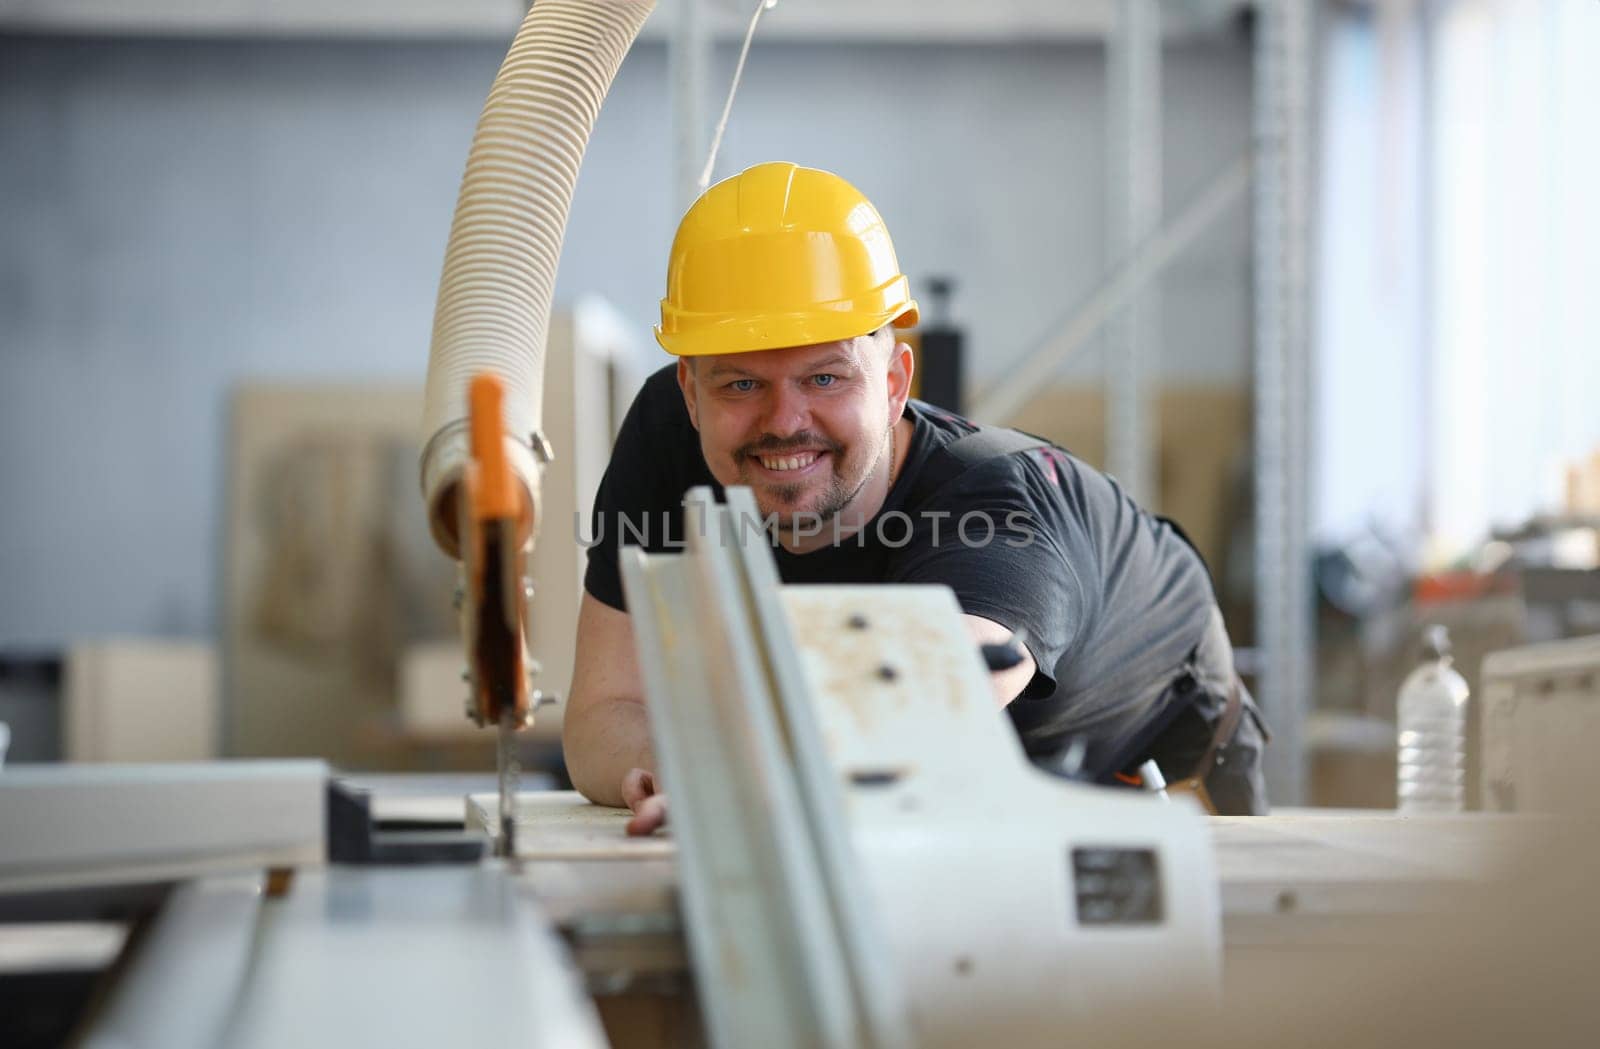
1227	725
1205	708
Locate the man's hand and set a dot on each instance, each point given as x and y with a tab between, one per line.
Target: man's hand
649	804
606	729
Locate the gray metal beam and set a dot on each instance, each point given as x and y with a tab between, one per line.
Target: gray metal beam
1284	626
688	64
1133	65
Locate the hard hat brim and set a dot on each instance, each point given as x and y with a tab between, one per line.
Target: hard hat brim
779	331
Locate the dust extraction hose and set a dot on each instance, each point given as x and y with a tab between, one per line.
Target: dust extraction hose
493	311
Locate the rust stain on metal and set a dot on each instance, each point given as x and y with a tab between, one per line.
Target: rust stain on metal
846	651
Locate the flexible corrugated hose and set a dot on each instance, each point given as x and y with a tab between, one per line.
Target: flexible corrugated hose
493	309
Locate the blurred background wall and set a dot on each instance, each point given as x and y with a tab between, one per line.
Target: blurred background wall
221	226
183	215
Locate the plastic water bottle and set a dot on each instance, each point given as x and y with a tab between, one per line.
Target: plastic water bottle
1433	732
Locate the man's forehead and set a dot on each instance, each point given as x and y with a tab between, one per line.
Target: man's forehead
790	360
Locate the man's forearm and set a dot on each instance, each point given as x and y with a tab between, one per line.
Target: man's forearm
603	741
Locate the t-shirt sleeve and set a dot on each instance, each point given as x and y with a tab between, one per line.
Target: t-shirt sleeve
998	539
603	577
640	491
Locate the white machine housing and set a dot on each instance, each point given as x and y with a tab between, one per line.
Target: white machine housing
1055	900
866	856
1541	721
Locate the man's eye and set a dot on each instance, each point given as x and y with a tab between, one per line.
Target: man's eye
742	385
824	380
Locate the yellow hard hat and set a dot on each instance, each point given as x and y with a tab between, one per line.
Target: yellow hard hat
780	255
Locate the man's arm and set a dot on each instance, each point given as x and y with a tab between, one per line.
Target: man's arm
1008	684
606	729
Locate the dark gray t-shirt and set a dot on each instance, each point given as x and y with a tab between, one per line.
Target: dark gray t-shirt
1112	598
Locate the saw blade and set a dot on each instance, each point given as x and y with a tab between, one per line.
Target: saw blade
510	771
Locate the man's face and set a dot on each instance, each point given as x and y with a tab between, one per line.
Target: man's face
805	428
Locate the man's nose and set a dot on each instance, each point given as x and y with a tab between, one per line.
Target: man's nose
788	411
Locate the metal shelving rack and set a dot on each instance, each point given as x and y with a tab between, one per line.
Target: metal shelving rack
1133	338
1284	626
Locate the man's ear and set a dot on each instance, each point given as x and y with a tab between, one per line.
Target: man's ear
902	365
686	383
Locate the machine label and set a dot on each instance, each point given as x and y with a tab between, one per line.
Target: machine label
1116	886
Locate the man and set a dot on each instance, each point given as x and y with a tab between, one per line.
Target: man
783	294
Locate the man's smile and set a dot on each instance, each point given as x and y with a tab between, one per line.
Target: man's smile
790	466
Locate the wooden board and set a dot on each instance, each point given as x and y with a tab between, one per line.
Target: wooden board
563	825
1304	864
1310	845
1309	897
1307	845
1319	878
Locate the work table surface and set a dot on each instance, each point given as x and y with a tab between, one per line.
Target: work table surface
1333	875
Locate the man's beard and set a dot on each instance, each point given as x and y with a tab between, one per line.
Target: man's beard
774	501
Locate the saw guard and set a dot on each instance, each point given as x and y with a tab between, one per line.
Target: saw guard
495	519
